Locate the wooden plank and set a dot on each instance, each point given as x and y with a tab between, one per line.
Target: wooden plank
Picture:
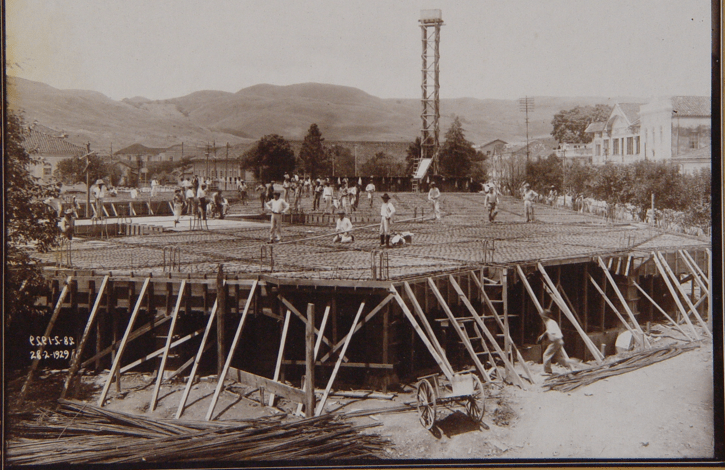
460	330
442	361
169	337
684	294
621	298
160	351
280	355
220	313
157	321
526	284
75	363
310	353
321	406
502	354
497	317
674	295
304	320
318	342
48	331
228	362
696	275
197	359
662	311
290	393
367	318
423	320
635	335
119	354
598	357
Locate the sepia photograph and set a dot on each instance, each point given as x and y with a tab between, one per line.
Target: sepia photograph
245	233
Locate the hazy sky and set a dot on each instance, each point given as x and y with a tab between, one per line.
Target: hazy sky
489	49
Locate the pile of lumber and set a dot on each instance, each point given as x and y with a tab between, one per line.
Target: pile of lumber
79	433
580	378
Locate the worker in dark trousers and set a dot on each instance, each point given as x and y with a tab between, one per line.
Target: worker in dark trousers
555	351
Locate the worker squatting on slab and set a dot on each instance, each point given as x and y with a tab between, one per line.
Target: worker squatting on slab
434	195
278	207
555	351
343	229
387	210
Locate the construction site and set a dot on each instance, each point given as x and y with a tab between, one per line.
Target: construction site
203	342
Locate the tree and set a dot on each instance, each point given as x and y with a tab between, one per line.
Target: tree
314	159
342	160
577	177
72	170
610	183
544	173
270	158
383	164
412	154
169	171
569	125
457	155
29	224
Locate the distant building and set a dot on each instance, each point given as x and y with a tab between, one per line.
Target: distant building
575	152
50	146
674	129
495	147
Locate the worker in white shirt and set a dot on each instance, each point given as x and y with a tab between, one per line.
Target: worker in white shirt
387	210
491	201
343	228
327	193
278	207
555	351
529	197
434	195
370	189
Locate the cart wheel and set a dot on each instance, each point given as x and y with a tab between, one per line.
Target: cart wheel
426	404
476	403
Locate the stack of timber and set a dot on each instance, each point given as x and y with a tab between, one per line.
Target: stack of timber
79	433
580	378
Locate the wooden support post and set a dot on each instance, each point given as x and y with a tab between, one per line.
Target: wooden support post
676	283
635	335
585	310
422	317
169	336
675	297
528	288
441	360
631	316
360	325
662	311
280	355
41	346
75	362
221	377
160	351
310	359
603	305
297	313
192	375
220	312
460	330
318	342
119	354
695	274
321	406
504	298
553	291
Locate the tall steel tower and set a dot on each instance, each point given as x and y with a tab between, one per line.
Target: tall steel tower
430	26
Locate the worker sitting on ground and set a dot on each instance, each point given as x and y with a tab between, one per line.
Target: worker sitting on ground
555	351
343	228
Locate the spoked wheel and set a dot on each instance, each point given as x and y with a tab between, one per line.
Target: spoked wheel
476	403
426	396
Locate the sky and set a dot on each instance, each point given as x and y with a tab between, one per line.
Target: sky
503	49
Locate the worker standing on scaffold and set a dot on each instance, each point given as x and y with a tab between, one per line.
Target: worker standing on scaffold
434	195
278	207
387	210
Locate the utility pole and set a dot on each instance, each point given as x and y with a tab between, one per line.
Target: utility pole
355	149
226	171
525	104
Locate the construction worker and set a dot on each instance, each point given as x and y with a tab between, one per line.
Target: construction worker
343	228
278	207
491	201
529	196
178	202
555	351
434	195
387	210
370	189
327	194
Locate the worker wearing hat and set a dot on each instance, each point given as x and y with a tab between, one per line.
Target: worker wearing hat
99	193
278	207
491	201
387	210
529	197
67	224
434	195
343	229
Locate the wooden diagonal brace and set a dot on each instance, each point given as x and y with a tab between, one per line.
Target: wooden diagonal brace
684	294
673	293
635	335
677	325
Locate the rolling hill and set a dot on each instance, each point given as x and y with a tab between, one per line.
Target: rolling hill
342	113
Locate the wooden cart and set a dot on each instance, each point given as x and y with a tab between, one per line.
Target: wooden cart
465	389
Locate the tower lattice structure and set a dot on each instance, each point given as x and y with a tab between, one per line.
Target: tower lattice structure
430	26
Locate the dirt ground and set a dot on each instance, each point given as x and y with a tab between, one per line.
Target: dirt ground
662	411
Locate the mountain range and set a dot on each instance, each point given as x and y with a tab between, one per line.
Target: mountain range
342	114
